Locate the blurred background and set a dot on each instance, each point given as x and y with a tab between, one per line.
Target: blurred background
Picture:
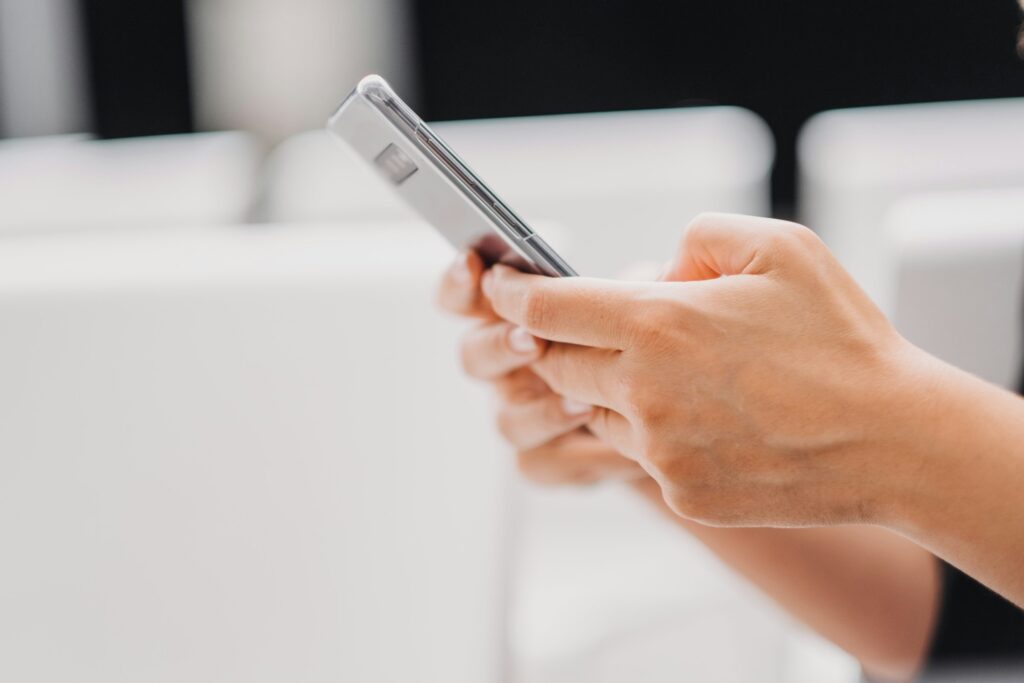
234	442
119	69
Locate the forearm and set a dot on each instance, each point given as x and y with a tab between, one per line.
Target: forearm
963	498
866	589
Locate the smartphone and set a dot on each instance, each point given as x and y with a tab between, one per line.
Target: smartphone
381	129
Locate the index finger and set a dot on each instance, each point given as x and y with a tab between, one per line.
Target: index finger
575	310
459	292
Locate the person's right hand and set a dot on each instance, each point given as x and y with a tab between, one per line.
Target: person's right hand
548	432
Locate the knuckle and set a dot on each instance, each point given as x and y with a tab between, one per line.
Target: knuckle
550	369
702	223
653	313
553	414
634	394
499	342
599	421
537	468
655	414
794	246
484	349
661	317
508	388
519	386
794	237
664	321
643	402
535	308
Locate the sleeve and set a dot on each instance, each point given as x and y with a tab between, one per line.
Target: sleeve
975	626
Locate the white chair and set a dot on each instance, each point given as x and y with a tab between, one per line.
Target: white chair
73	182
960	278
237	454
624	184
856	163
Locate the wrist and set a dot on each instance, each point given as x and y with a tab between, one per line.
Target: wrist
943	426
962	502
914	422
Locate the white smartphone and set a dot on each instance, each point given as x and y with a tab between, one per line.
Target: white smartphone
382	130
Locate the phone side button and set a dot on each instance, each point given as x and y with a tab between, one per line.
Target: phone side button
550	256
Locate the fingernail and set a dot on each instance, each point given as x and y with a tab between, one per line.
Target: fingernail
487	283
574	408
521	341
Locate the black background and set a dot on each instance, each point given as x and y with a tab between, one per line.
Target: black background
786	60
138	66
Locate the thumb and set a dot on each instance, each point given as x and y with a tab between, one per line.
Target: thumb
716	244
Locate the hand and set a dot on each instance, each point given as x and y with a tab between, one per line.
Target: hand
773	396
553	446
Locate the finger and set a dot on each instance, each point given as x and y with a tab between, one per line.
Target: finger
528	425
576	310
581	373
520	386
577	458
717	244
494	349
615	431
459	292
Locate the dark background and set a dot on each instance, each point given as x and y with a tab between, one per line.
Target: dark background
785	60
140	80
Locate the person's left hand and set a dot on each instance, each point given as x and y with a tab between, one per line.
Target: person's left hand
553	447
774	396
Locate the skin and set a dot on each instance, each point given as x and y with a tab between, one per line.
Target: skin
871	592
780	396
